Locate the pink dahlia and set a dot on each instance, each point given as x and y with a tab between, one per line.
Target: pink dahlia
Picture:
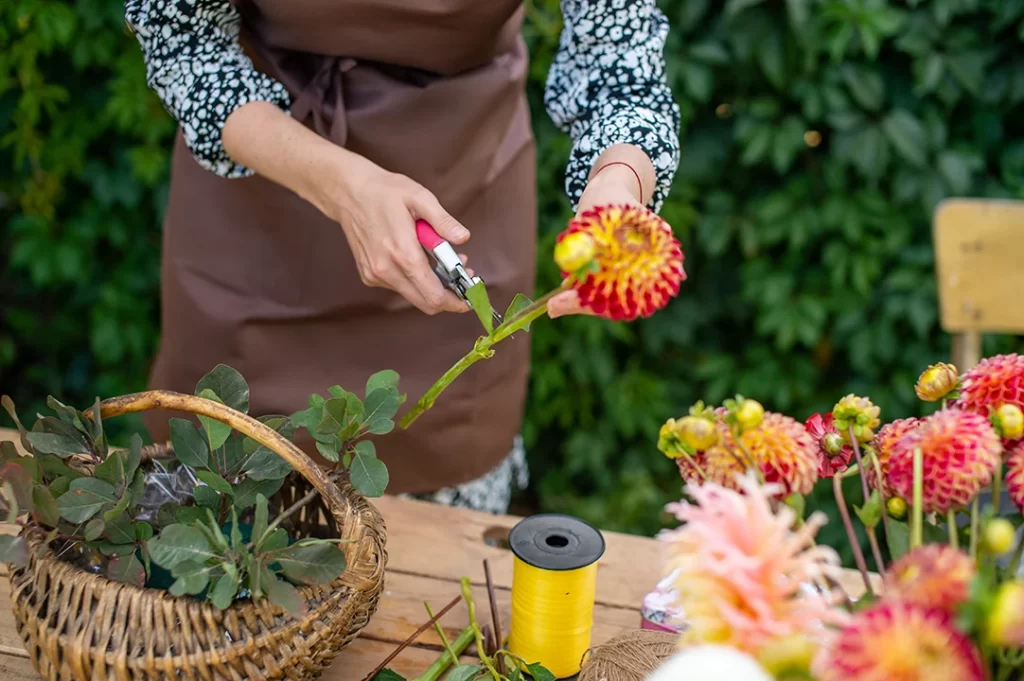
834	455
899	641
995	381
883	445
931	576
960	451
1015	475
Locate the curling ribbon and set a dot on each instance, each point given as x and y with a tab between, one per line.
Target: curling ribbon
554	584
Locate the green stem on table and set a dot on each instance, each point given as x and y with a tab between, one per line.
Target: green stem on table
482	349
481	650
954	536
447	659
917	518
851	534
975	527
440	631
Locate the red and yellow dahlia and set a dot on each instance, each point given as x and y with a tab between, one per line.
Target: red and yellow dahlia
931	576
899	641
834	455
883	445
637	261
959	449
1015	475
780	447
995	381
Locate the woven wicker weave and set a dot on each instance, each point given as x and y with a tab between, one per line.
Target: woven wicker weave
78	626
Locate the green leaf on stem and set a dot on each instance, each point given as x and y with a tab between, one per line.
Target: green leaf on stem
13	551
143	531
265	464
539	672
281	593
332	419
369	475
84	499
94	529
318	563
465	672
247	490
228	385
113	469
215	482
177	544
382	379
45	506
281	424
120	530
217	433
381	407
192	577
278	539
222	595
870	514
126	569
260	521
8	406
388	675
58	445
190	446
897	536
481	304
329	450
518	304
207	497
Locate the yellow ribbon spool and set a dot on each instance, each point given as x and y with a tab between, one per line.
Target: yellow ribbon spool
554	584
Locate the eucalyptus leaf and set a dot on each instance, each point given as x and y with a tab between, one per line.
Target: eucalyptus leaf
45	506
60	486
119	508
247	490
222	595
277	539
265	464
229	459
381	407
111	549
281	424
94	529
369	475
58	445
113	469
282	594
332	419
99	438
329	451
120	530
84	499
13	551
215	482
260	521
68	415
319	563
8	406
54	468
179	543
207	497
539	672
192	577
464	672
481	304
143	531
228	385
382	379
190	446
217	433
388	675
128	570
134	457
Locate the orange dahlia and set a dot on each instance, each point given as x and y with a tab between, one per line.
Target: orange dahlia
931	576
995	381
637	262
883	445
960	451
1015	475
779	446
899	641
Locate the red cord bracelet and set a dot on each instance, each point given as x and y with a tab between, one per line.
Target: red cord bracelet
623	163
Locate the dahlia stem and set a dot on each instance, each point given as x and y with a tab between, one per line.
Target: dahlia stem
881	494
997	491
917	519
851	534
860	465
876	552
954	536
482	349
1014	566
975	527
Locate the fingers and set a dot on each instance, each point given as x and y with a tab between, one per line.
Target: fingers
427	207
418	277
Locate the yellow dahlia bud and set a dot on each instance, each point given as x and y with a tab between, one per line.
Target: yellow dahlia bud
858	413
669	443
936	382
750	414
575	251
897	507
999	536
787	655
1009	421
1006	617
697	433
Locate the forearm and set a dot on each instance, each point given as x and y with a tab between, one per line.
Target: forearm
609	163
260	136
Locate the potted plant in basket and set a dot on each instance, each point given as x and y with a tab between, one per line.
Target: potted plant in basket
754	591
228	552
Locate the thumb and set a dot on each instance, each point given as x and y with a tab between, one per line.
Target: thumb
428	208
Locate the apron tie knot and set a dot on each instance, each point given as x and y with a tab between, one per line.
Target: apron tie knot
323	97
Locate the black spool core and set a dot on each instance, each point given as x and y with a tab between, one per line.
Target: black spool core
552	541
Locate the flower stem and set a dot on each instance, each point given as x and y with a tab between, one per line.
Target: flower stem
975	527
482	349
997	482
954	536
876	552
881	494
441	664
851	534
917	519
1014	566
481	651
440	632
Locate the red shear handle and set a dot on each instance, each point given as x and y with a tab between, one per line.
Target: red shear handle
427	236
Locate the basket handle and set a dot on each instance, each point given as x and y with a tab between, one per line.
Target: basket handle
246	425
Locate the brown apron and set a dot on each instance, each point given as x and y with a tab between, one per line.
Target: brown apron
256	278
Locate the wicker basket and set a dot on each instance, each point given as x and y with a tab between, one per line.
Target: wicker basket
79	626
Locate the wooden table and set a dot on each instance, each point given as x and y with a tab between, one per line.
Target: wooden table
430	548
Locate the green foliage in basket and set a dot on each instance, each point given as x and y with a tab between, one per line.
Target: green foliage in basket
811	272
90	497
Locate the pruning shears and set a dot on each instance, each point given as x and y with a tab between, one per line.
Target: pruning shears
448	266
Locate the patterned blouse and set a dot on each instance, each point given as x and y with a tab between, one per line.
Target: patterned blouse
606	85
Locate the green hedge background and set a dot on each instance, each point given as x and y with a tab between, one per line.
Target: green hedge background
819	135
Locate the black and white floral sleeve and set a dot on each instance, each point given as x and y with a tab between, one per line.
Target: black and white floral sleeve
197	67
607	86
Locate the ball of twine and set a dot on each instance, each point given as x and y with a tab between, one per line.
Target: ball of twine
629	657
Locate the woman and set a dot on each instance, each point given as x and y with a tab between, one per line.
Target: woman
297	116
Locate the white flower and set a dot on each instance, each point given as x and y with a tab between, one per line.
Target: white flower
710	663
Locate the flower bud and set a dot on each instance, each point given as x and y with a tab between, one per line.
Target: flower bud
833	443
668	440
1009	421
897	507
999	536
859	414
575	251
1006	616
698	433
937	382
749	414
